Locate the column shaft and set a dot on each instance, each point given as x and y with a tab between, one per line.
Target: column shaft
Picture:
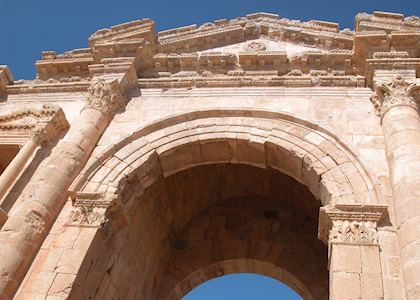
401	125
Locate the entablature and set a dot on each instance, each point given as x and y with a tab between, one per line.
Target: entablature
259	44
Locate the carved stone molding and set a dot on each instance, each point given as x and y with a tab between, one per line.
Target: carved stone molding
397	92
41	125
96	210
350	224
105	97
240	78
87	216
255	46
353	232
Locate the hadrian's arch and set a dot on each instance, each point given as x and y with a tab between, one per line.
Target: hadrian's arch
226	191
151	162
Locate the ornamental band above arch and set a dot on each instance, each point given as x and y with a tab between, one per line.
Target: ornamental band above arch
332	163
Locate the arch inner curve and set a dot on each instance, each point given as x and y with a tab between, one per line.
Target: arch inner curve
209	220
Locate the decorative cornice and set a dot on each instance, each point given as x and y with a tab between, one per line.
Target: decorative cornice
397	92
240	78
176	51
89	199
386	21
105	97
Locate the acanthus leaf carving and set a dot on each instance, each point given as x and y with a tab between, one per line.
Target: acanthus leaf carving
397	92
97	210
350	224
105	97
353	232
87	216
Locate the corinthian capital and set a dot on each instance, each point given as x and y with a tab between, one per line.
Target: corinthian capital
105	97
397	92
353	232
350	224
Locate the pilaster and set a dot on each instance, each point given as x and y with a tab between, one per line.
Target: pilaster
353	249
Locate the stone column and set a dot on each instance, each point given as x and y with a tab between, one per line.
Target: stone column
353	250
46	193
45	130
397	105
12	171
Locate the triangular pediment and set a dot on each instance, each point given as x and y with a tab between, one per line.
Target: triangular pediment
27	118
263	45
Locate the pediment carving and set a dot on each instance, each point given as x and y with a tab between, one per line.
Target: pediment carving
40	124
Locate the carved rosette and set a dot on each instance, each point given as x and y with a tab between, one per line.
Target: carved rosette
350	224
105	96
398	92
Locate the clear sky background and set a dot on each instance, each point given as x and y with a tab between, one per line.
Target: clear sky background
32	26
242	287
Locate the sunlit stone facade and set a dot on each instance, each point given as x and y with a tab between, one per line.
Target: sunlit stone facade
150	162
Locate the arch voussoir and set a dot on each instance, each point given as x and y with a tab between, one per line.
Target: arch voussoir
310	156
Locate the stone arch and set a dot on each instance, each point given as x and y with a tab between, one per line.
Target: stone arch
117	179
305	151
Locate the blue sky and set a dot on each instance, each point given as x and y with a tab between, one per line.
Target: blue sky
30	27
242	287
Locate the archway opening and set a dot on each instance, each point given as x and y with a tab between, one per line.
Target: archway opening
8	152
245	286
207	221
